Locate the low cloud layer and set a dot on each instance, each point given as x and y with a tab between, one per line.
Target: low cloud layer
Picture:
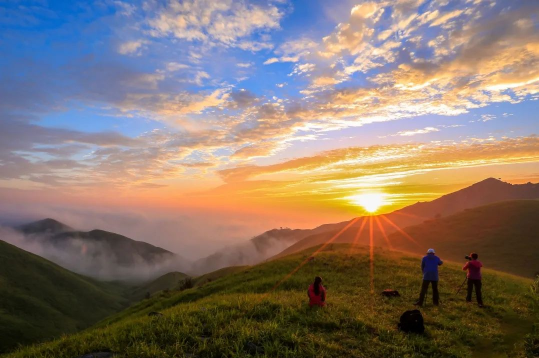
93	259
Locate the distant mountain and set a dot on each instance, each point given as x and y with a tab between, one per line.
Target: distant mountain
485	192
45	226
256	250
97	253
40	300
505	235
119	248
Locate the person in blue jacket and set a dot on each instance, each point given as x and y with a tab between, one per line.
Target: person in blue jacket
429	266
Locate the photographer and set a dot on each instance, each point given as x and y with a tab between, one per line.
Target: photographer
429	266
474	278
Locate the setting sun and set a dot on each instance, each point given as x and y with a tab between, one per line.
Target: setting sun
371	202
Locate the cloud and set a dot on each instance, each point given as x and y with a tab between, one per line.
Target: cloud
224	23
244	64
385	62
487	117
417	131
131	47
175	66
293	51
446	17
369	162
94	259
269	61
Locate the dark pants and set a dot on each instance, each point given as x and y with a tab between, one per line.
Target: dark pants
477	284
425	287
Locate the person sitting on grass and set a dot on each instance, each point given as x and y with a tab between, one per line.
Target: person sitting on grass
474	278
317	293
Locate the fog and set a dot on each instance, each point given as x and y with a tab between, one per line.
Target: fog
246	253
94	259
190	233
203	240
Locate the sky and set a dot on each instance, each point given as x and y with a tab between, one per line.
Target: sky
218	120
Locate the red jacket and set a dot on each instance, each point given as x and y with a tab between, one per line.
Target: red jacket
474	269
317	300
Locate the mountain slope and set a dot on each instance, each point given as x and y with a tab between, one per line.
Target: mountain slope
238	315
505	235
168	281
40	300
97	253
123	250
485	192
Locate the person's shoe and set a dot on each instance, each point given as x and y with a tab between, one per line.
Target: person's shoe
418	304
468	302
480	305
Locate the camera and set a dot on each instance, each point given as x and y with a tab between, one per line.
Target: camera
468	258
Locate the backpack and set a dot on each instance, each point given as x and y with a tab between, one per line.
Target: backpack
390	293
412	321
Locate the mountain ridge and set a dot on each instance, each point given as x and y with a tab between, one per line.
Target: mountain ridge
417	213
97	253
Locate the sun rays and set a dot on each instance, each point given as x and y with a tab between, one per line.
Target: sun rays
371	202
372	234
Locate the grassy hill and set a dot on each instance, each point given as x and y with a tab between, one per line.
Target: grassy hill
40	300
168	281
239	315
212	276
485	192
505	235
482	193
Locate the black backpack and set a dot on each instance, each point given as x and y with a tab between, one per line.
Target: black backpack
412	321
390	293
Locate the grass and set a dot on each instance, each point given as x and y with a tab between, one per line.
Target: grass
167	281
212	276
40	300
236	316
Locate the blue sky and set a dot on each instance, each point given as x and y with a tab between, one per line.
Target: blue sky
176	95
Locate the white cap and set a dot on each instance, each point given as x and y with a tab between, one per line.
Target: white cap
430	251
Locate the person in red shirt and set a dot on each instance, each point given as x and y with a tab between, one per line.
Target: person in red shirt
474	278
317	293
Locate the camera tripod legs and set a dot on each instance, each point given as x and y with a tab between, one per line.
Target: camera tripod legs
462	285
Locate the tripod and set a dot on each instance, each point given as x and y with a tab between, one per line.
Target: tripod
462	284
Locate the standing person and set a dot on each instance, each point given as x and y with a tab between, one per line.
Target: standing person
317	293
429	266
474	278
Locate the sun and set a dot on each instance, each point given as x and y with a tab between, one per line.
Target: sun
371	202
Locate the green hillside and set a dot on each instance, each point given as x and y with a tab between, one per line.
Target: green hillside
239	315
40	300
168	281
505	235
212	276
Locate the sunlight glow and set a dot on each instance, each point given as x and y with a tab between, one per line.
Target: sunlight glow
371	202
